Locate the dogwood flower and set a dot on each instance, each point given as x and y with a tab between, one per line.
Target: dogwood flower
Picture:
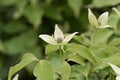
101	22
58	38
116	70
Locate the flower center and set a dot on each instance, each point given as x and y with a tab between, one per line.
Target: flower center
99	23
59	40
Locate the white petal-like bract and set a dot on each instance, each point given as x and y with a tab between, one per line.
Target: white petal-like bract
92	19
58	33
103	19
16	77
49	39
118	78
69	37
115	68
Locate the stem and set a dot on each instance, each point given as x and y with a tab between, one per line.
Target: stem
61	54
93	41
95	75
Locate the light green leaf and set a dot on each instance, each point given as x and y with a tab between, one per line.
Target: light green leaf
115	42
115	59
101	36
117	11
82	51
65	71
50	48
78	59
43	71
75	5
26	59
104	3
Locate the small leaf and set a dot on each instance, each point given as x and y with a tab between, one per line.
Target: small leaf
78	59
26	59
51	48
65	71
43	71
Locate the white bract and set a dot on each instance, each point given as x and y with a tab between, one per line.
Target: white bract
101	22
58	38
116	70
16	77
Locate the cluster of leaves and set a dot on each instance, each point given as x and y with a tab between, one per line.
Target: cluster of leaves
22	20
86	58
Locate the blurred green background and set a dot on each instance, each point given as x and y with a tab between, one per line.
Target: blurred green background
21	22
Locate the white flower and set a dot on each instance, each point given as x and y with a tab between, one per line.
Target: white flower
101	22
16	77
57	38
116	70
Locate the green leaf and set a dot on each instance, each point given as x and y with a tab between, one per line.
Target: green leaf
26	59
20	8
11	27
82	51
75	5
115	42
43	71
37	14
113	20
104	3
101	36
22	43
51	48
78	59
53	12
115	59
65	71
2	46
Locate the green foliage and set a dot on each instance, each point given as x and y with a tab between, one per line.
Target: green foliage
27	59
43	71
65	70
86	57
